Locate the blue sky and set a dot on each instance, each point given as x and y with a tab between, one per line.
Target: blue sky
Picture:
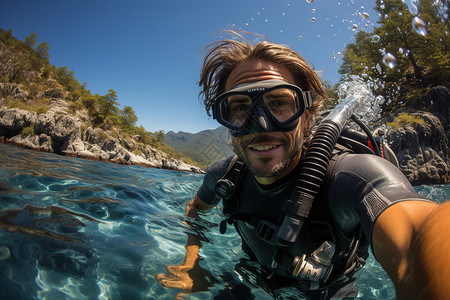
150	52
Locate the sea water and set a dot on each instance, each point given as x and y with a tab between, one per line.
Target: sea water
79	229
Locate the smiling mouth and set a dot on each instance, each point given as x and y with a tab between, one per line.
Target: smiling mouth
264	148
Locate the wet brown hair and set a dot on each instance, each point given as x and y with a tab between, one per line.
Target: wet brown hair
223	56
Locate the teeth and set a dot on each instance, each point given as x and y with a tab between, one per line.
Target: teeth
263	148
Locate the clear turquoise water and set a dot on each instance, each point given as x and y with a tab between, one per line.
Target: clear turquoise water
78	229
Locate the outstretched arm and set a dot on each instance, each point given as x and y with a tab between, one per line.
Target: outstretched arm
411	240
188	276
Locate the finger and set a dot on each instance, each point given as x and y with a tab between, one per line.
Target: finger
173	282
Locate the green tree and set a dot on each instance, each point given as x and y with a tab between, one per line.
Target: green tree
129	117
421	58
160	136
42	49
30	40
108	103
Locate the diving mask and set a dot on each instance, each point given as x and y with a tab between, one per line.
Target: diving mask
264	106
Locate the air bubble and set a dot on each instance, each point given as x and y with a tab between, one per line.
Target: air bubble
313	19
354	27
419	26
389	60
375	38
365	16
299	37
412	6
310	1
313	10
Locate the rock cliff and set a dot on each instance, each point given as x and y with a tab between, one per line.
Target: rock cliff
423	149
58	131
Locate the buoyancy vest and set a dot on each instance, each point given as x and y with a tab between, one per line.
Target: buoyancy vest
258	234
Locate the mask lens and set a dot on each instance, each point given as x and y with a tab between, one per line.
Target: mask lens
238	109
282	103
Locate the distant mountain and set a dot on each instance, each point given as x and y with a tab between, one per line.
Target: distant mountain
205	146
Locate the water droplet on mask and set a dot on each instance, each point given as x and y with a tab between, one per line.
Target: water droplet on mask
419	26
389	60
313	10
375	38
365	16
313	19
354	27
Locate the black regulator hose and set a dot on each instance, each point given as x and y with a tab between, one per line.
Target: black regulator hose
311	175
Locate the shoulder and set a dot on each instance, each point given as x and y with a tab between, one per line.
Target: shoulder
214	172
365	167
217	169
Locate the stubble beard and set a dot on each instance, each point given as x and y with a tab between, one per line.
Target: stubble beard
276	170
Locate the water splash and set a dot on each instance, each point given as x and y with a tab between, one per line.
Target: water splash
360	88
389	60
355	27
365	16
419	26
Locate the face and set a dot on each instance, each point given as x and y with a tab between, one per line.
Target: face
269	155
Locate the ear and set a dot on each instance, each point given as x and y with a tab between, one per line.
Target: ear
306	120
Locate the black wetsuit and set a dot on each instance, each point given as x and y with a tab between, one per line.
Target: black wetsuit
358	188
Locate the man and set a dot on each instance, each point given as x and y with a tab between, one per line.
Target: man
263	94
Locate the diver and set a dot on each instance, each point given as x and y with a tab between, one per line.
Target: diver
267	95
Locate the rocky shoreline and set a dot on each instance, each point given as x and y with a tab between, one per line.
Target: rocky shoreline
422	150
57	131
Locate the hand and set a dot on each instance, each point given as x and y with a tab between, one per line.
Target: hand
188	276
